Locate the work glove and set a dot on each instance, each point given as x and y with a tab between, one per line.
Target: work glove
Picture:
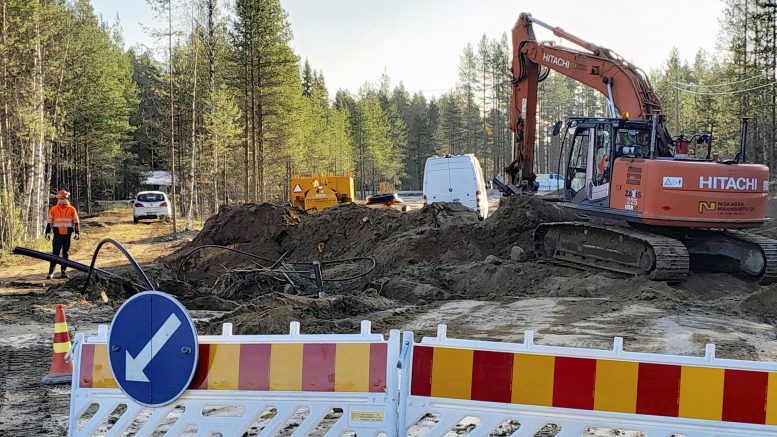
48	236
77	236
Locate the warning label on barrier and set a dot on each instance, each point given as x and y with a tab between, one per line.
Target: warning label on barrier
367	416
297	189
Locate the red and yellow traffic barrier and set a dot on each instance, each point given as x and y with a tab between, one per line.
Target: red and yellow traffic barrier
313	367
95	371
670	390
60	371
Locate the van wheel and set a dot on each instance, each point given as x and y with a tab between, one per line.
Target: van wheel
135	220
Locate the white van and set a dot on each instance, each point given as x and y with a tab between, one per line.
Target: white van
457	178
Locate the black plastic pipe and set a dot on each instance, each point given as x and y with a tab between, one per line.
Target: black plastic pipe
59	260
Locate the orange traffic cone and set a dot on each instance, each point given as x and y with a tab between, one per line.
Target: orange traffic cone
60	372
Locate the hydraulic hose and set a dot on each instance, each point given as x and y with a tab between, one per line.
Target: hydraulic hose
129	257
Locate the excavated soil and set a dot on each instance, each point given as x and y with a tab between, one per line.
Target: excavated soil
438	233
438	253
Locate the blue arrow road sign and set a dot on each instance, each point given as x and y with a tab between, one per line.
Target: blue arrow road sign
152	348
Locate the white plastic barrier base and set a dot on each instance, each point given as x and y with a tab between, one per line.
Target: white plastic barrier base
230	415
486	419
482	387
255	385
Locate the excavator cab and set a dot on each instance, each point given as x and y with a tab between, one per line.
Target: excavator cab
591	147
627	170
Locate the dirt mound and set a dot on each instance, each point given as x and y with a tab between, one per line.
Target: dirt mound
436	253
445	214
246	224
442	240
354	230
271	314
762	303
257	229
342	232
517	217
437	233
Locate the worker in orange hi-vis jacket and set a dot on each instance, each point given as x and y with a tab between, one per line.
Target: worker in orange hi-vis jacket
63	220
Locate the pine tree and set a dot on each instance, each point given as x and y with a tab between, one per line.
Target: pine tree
468	77
271	81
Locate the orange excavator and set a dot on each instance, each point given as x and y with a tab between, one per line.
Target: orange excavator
646	207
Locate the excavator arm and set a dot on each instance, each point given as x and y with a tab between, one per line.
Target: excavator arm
625	86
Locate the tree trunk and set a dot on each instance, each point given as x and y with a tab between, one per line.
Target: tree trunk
194	133
88	169
260	152
5	118
211	11
247	136
37	191
254	184
172	114
772	138
5	167
224	176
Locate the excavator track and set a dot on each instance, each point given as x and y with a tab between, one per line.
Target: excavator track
728	251
768	249
664	254
614	248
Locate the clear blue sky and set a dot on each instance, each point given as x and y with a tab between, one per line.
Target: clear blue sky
419	41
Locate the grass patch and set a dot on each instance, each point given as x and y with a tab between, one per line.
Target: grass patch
8	259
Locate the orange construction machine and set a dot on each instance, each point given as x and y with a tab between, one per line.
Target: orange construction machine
626	169
316	193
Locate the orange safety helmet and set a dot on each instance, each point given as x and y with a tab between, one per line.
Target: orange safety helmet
63	194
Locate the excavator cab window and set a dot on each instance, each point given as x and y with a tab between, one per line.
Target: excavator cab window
578	159
602	151
633	143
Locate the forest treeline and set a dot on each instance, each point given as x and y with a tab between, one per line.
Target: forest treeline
236	112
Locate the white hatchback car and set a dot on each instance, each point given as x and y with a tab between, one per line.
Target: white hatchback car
151	204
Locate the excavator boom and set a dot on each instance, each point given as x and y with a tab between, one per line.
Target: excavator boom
625	86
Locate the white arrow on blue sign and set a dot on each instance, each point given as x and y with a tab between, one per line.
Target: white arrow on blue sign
152	348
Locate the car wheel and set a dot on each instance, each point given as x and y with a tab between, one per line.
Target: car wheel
135	220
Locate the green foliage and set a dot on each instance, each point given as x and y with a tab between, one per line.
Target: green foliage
103	98
713	92
222	123
379	158
272	92
12	230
